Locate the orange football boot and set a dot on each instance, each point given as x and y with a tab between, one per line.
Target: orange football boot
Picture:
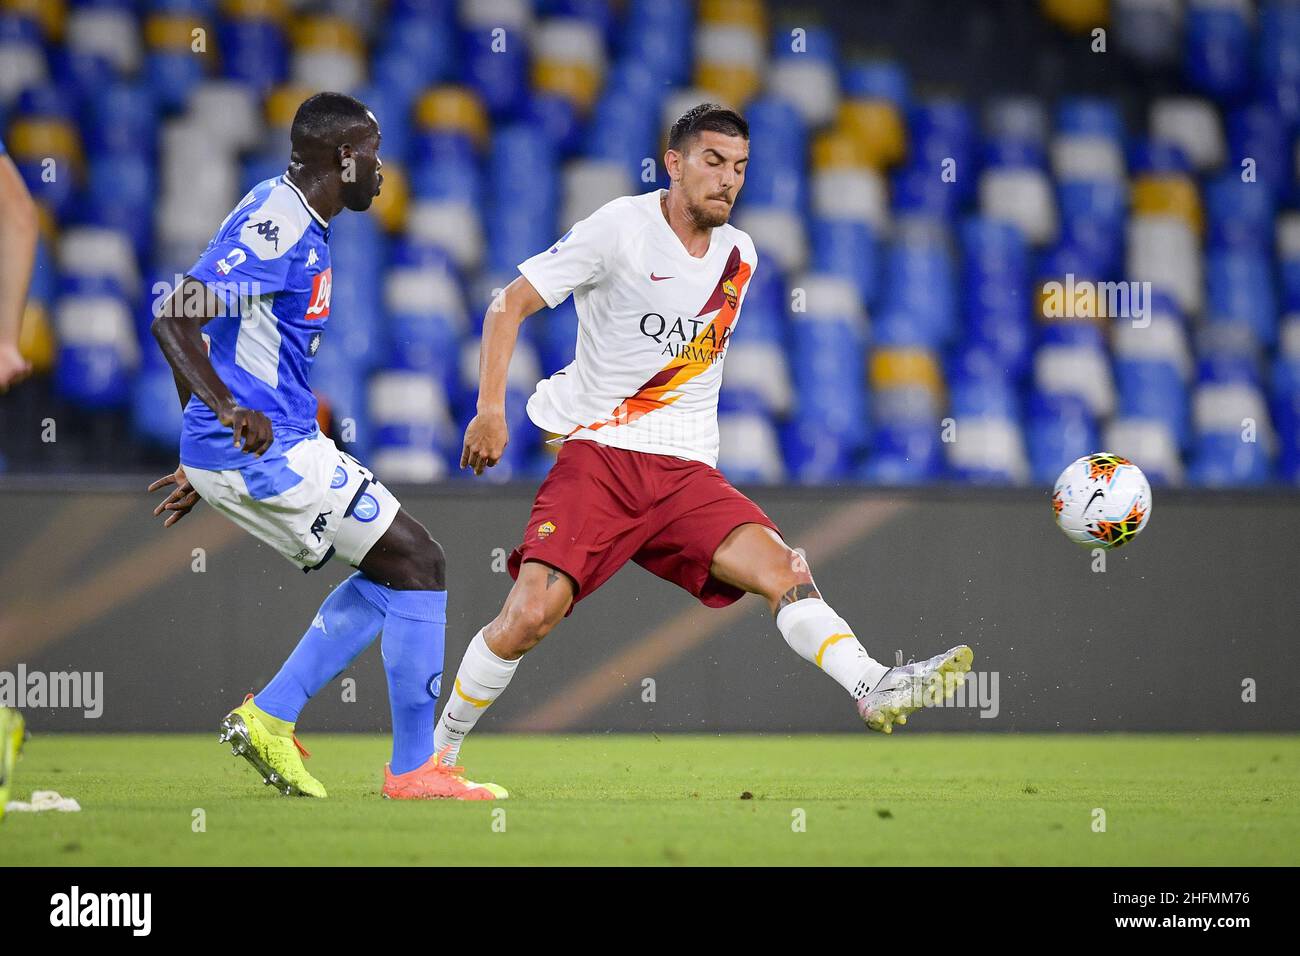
435	780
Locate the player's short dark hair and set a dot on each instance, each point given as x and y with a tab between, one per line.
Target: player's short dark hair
706	116
324	118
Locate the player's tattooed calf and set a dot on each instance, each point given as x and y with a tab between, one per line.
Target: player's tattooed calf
798	593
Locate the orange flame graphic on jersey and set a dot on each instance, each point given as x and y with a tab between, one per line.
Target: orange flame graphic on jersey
655	393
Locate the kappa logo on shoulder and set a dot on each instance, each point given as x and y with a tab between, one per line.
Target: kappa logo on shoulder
269	231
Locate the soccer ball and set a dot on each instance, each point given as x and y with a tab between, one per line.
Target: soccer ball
1102	501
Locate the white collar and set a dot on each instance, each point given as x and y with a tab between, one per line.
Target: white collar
294	186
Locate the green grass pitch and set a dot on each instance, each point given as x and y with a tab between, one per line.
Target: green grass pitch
680	800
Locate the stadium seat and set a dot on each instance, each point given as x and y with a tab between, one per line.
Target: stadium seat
988	451
1149	444
412	423
1216	47
1193	125
749	450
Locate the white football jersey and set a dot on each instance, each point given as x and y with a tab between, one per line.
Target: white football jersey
654	323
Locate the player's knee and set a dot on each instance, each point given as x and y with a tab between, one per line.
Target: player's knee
427	566
790	577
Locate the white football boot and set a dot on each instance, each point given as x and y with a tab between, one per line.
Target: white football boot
912	686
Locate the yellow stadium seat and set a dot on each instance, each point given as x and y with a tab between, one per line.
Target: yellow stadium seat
728	82
49	14
743	13
1077	16
172	31
1169	195
275	10
1057	299
327	33
837	149
36	339
574	81
453	109
47	224
393	201
282	103
905	368
31	139
879	129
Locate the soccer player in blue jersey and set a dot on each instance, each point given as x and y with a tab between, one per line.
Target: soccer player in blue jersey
240	334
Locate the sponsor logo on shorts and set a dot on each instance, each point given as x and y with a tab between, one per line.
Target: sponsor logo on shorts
435	685
302	555
340	477
546	529
318	525
367	508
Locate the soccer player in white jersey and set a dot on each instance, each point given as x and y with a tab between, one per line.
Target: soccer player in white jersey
658	281
241	334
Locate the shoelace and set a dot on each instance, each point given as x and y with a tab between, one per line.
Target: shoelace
453	769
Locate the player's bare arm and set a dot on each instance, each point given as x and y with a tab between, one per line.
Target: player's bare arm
18	229
486	435
177	329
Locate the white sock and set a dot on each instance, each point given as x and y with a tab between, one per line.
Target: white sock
822	637
481	679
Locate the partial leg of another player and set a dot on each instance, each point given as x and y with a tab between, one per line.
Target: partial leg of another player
754	558
538	601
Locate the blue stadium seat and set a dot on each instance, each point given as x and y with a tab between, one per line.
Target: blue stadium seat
1152	389
849	249
1216	50
1060	430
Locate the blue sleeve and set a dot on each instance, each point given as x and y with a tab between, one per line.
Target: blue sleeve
250	256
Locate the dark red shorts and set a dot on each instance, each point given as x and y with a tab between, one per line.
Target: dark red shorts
600	507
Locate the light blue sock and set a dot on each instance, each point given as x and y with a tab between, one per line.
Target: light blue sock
349	619
413	646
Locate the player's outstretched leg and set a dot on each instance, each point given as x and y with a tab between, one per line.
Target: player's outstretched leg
12	734
261	730
538	601
407	575
753	557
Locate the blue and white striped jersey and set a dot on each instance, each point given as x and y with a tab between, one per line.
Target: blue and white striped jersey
269	263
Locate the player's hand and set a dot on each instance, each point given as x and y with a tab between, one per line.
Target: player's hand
13	367
250	427
180	501
486	438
